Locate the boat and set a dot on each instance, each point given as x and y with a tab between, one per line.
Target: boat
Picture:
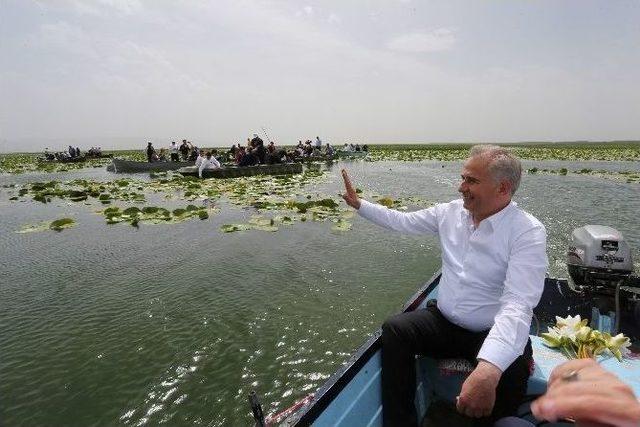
238	171
63	159
351	154
352	396
98	156
310	159
129	166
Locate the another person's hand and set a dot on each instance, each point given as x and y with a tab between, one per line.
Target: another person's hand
351	197
478	393
584	391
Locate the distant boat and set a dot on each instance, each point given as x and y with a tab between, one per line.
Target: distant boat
64	160
238	171
98	156
351	154
129	166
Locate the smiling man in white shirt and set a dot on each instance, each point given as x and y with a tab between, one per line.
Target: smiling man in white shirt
209	162
493	267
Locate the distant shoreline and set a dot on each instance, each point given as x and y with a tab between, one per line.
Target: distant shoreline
407	146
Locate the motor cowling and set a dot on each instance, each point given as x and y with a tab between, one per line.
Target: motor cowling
598	256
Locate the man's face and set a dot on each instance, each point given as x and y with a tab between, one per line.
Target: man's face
480	193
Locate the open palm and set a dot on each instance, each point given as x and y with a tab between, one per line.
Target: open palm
350	196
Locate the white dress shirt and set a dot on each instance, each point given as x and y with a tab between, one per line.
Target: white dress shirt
199	160
211	163
492	275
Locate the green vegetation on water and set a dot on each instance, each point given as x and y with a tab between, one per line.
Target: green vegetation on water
575	151
282	194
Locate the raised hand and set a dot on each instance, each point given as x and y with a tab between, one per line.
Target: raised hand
351	197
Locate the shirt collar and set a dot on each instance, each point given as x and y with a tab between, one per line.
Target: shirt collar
494	220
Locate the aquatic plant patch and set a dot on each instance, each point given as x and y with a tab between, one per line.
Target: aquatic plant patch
154	215
627	176
56	225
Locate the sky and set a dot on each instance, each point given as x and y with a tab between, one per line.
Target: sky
118	73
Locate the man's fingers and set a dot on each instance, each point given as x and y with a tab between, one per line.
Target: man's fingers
347	181
590	408
573	365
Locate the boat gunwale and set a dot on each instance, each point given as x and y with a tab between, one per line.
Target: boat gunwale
337	382
135	166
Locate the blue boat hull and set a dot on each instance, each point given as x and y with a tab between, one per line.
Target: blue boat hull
353	397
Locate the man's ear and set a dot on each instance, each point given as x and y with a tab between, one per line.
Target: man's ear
504	187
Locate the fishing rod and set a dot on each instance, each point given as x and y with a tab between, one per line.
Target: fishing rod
265	134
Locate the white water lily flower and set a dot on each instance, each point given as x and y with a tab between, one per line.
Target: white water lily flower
583	334
618	345
552	337
571	322
575	339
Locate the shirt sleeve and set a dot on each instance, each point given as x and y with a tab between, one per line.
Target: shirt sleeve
215	162
523	287
203	165
424	221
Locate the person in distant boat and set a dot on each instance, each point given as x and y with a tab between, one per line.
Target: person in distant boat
201	158
77	151
257	148
173	150
329	150
194	152
249	159
271	148
365	147
163	155
210	162
318	143
150	152
240	152
583	390
308	148
493	268
184	150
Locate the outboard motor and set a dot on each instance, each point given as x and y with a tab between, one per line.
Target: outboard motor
598	258
604	288
600	265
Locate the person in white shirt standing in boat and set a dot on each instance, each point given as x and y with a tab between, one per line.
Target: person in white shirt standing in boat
210	162
493	268
201	157
173	150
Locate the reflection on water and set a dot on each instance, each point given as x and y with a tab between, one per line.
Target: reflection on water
105	325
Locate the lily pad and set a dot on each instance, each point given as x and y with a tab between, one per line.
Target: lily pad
34	228
342	225
386	201
62	223
230	228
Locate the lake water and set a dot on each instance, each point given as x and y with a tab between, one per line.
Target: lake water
176	324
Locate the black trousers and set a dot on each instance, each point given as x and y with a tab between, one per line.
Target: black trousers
427	332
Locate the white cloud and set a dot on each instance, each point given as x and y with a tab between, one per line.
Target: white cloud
420	41
308	10
127	7
333	19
